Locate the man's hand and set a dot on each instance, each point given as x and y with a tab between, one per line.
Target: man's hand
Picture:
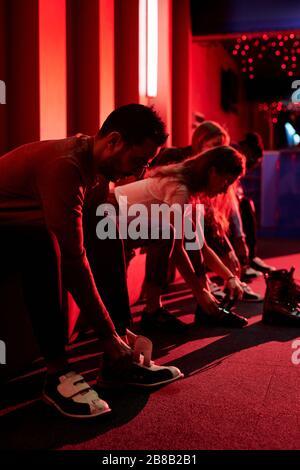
117	349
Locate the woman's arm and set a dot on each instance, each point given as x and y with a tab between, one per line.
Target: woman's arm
215	264
199	285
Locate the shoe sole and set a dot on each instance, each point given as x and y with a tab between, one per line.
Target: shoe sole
107	384
52	403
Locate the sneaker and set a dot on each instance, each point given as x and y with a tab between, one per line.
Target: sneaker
249	273
73	397
226	318
249	295
162	320
259	265
142	372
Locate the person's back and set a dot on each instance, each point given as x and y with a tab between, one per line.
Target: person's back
26	170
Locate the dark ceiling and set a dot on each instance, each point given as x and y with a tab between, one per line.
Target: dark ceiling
238	16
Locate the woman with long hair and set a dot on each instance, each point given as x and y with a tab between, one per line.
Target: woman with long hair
205	175
222	213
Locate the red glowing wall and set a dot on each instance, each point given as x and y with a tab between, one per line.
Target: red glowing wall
68	63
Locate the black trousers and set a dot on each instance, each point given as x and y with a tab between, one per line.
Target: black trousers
107	261
34	253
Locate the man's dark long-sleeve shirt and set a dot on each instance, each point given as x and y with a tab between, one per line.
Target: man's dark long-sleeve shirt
46	183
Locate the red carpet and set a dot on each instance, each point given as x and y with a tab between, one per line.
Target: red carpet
240	391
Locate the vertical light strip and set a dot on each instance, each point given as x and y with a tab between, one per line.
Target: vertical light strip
53	69
152	47
142	47
106	59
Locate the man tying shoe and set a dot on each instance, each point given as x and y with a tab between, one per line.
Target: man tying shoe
43	186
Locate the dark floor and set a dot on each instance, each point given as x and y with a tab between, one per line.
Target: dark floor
240	391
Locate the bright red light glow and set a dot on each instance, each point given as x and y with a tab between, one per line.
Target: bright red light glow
53	73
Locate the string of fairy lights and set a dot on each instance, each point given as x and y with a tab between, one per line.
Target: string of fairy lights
276	107
284	48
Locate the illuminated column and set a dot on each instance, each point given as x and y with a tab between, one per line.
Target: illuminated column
148	48
106	58
155	57
53	69
126	52
83	66
22	72
181	108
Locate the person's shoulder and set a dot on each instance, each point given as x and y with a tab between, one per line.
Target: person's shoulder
171	185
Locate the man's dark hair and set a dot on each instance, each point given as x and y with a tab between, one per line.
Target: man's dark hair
135	123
